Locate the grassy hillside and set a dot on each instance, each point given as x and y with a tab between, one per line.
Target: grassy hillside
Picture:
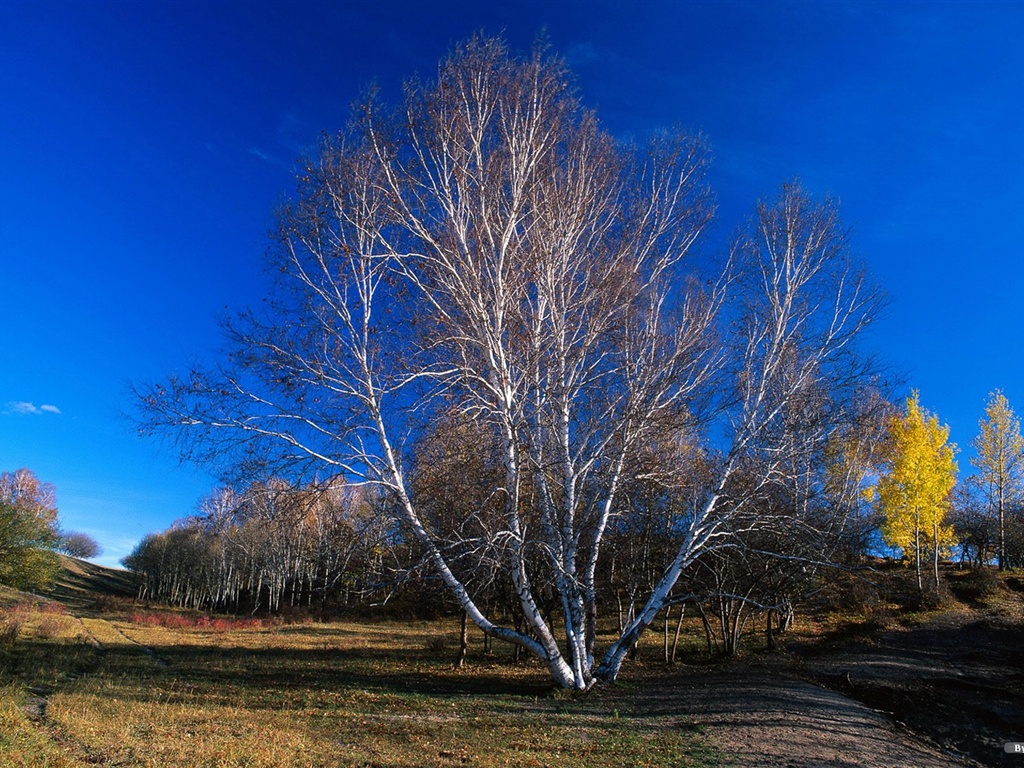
85	582
79	584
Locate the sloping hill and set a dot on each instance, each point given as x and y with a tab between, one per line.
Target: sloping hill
86	583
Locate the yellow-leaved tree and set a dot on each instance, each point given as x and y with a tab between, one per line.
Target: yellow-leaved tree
916	482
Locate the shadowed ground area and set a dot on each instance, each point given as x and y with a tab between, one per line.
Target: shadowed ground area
957	676
799	724
765	717
83	584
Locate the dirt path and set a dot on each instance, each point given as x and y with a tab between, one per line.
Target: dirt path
768	720
957	677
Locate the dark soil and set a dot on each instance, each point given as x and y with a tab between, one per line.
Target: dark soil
954	676
942	685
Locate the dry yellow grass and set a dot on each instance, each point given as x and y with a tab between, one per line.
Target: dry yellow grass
131	693
23	744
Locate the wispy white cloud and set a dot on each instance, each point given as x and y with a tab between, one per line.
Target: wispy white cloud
18	409
270	157
23	408
260	154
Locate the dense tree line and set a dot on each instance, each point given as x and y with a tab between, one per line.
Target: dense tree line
269	547
332	546
926	510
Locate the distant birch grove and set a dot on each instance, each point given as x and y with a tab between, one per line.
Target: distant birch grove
269	548
495	316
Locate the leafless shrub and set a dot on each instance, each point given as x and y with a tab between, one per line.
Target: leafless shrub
11	622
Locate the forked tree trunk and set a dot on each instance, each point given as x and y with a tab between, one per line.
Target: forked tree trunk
562	256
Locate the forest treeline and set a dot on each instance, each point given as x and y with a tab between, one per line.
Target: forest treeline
331	548
270	547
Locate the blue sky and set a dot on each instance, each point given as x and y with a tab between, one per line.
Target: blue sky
144	145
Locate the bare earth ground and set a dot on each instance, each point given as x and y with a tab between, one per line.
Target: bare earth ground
767	717
958	678
943	688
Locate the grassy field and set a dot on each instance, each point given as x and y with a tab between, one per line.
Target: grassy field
128	687
90	677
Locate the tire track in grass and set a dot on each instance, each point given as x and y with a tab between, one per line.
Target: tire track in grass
104	637
108	636
47	743
37	695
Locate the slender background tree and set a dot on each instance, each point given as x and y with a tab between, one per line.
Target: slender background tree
1000	464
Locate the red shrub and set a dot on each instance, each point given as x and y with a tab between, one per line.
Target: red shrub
170	620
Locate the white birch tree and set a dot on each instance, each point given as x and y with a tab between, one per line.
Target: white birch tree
487	249
1000	463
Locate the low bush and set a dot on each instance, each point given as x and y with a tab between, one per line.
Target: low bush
11	622
977	584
